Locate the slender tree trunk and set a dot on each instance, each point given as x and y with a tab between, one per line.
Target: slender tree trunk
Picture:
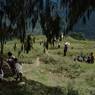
1	52
2	46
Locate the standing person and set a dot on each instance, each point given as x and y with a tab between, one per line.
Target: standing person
1	74
11	63
18	67
92	57
65	49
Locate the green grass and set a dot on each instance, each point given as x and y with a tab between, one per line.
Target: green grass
56	74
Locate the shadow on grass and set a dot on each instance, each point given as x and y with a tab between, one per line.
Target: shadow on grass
30	87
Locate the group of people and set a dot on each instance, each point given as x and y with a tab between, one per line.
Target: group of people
82	58
14	65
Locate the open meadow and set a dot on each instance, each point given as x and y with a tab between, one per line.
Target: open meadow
51	73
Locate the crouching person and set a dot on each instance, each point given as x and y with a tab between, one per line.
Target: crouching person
18	67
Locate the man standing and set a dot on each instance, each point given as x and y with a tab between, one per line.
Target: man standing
65	49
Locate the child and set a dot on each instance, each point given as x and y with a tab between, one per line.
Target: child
18	67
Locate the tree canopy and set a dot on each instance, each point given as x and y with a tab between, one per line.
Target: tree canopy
18	11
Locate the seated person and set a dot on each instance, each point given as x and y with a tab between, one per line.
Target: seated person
10	61
79	58
88	59
18	67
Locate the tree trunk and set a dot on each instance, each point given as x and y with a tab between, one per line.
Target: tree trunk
1	54
2	46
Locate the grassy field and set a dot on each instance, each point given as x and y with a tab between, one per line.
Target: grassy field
52	73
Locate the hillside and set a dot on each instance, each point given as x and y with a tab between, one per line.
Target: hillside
87	29
52	73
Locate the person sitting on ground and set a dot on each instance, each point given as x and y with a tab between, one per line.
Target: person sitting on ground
85	58
10	61
80	59
18	67
88	59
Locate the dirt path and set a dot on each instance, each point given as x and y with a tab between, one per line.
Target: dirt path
37	63
28	67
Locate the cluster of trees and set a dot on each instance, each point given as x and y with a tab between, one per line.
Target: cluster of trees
18	11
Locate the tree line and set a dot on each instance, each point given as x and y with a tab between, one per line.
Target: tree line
18	11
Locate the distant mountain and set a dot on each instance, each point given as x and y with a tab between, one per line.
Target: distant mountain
87	29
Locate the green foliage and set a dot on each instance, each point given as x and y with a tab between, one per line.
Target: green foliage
54	72
51	27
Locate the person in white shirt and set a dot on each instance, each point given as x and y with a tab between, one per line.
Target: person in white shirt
18	67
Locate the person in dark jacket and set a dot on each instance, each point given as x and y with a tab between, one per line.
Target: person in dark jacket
11	63
92	57
1	69
65	50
